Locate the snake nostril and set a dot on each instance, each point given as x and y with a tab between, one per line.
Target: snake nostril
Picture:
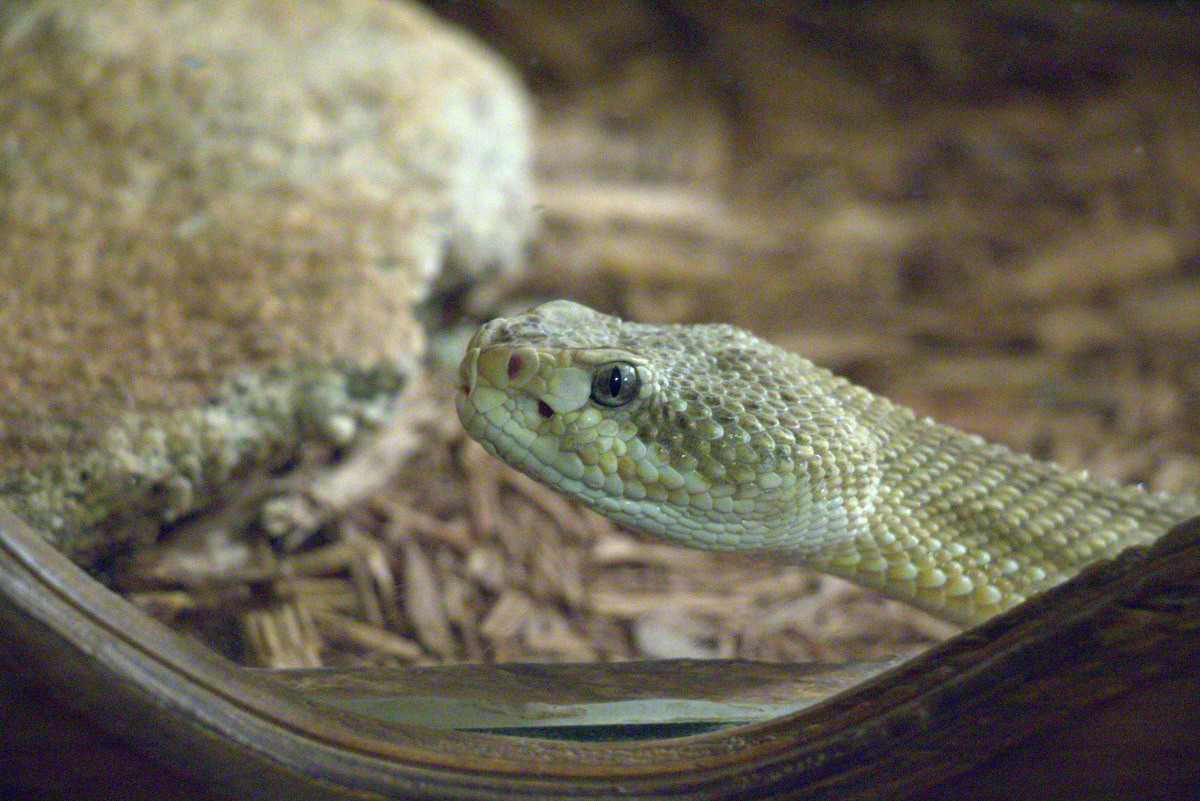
515	365
544	409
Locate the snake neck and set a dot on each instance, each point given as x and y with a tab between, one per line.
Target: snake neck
967	529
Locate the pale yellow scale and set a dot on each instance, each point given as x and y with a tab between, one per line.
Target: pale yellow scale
713	437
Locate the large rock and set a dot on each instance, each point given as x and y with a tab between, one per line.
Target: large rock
189	189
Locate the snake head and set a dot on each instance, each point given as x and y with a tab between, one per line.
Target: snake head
702	433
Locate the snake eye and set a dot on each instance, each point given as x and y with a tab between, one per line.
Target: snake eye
615	384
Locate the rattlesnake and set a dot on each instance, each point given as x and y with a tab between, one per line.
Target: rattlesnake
710	436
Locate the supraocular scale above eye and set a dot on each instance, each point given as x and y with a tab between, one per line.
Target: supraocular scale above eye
615	384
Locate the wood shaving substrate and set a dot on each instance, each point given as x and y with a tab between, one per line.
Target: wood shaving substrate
461	559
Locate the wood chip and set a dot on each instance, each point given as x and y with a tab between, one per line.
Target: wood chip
282	637
517	625
423	602
353	633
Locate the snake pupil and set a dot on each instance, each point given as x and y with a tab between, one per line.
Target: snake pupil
615	384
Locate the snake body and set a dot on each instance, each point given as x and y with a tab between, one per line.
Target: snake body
710	436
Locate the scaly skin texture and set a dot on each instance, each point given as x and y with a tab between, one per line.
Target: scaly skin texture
727	442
